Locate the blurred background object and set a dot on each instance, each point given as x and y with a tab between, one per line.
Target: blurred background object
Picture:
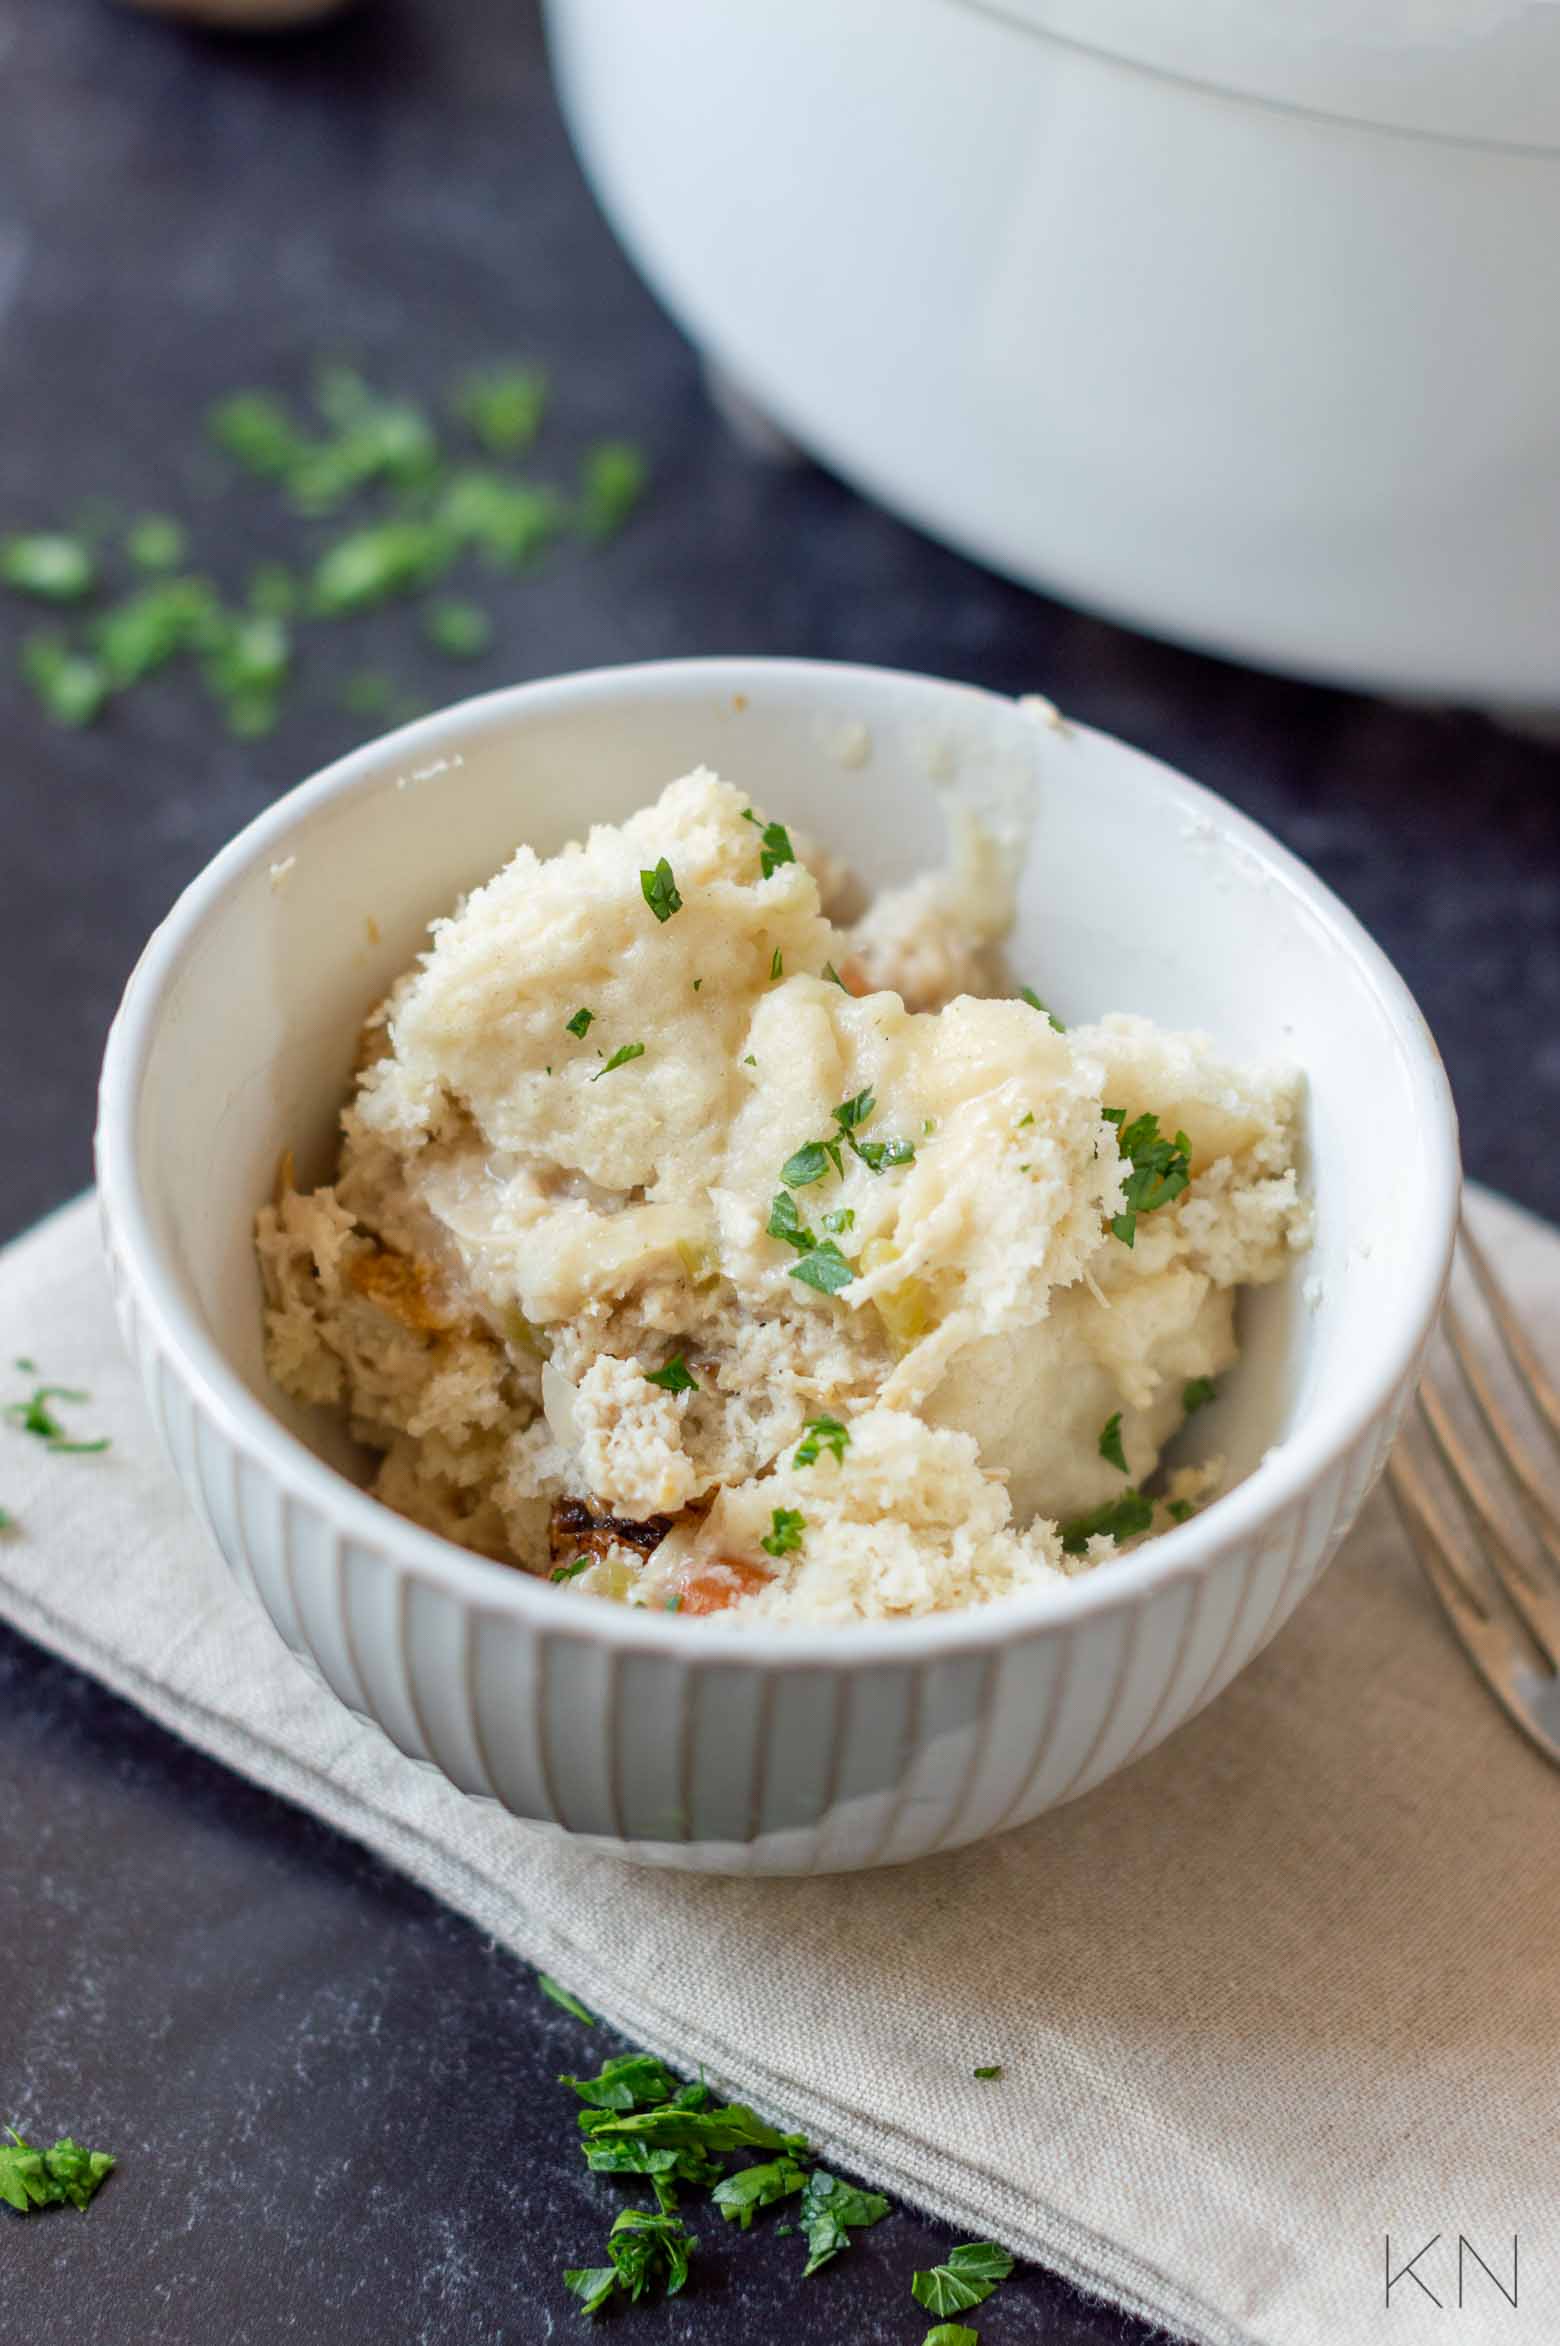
241	15
1235	323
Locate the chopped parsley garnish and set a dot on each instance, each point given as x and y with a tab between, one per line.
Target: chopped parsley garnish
620	1058
1118	1519
878	1155
787	1224
613	478
644	2247
850	1113
749	1060
630	2081
1161	1169
1180	1510
785	1533
776	965
840	1218
71	687
462	631
156	543
774	846
1110	1442
823	1433
48	564
830	2212
559	1994
675	1377
503	406
64	2173
739	2196
834	977
967	2277
659	890
508	522
579	1024
571	1571
823	1267
1028	994
1196	1393
806	1164
1023	1120
255	429
34	1416
371	566
993	2069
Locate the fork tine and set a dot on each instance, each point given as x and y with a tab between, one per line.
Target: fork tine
1518	1464
1519	1349
1488	1643
1538	1606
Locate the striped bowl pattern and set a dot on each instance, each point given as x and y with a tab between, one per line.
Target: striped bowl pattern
712	1746
708	1761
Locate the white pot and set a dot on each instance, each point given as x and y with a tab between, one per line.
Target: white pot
1242	325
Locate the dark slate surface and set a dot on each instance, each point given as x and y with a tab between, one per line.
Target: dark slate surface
334	2101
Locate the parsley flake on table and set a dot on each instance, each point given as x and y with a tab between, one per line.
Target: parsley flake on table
675	1377
579	1024
70	686
1196	1393
823	1433
34	1416
156	542
613	478
644	2247
65	2173
1028	994
967	2277
1161	1169
462	631
629	2081
659	890
739	2196
620	1058
49	565
785	1533
1118	1519
558	1994
1110	1443
992	2069
830	2212
509	522
952	2334
372	565
502	406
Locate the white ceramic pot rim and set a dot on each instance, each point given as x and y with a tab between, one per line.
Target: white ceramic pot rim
1180	1555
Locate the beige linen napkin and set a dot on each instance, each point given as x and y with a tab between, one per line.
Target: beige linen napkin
1289	1986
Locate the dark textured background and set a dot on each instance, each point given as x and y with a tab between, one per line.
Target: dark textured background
334	2101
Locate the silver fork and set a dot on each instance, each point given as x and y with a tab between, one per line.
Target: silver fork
1505	1611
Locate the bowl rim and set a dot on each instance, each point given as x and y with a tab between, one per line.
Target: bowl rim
1280	1481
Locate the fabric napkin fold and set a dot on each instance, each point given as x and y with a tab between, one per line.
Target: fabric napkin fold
1285	1993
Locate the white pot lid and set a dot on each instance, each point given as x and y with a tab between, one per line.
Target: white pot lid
1487	70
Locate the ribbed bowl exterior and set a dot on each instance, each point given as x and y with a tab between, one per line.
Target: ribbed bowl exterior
710	1760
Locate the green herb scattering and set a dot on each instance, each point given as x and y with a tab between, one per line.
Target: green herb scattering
34	1416
659	890
784	1535
558	1994
951	2334
675	1377
48	565
620	1058
63	2174
774	846
613	479
830	2212
1110	1443
1118	1519
823	1433
579	1024
644	2248
1161	1169
1028	994
1196	1394
572	1571
993	2069
967	2277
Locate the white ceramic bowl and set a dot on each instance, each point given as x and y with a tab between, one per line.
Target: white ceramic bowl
708	1744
